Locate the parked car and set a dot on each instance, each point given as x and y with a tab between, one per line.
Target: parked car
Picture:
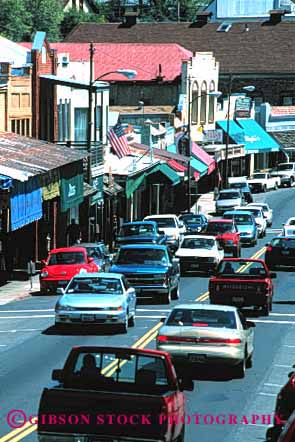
286	172
246	225
259	217
94	250
280	252
199	253
262	181
150	269
227	235
243	283
241	183
267	212
101	382
61	265
205	334
171	226
194	223
228	199
140	232
97	298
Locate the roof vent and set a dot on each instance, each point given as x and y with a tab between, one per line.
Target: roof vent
203	16
130	15
275	15
224	27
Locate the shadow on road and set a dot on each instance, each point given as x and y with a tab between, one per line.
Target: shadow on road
206	373
89	330
284	302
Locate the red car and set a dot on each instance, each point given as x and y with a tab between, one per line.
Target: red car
243	283
227	234
61	265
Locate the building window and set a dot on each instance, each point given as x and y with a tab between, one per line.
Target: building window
25	100
211	109
203	111
15	100
81	115
195	104
21	127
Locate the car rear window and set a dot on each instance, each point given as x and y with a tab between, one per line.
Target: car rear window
196	243
66	258
240	219
219	227
142	256
141	229
202	318
241	269
284	243
164	222
229	195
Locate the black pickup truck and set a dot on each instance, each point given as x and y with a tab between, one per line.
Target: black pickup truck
114	394
140	232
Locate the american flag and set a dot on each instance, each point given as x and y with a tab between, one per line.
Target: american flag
119	141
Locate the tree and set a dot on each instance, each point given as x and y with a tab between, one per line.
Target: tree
14	19
74	17
46	15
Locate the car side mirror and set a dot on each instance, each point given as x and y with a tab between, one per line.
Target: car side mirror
290	374
250	324
60	291
163	319
57	375
273	275
186	384
90	260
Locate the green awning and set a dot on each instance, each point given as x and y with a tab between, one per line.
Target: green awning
198	166
133	183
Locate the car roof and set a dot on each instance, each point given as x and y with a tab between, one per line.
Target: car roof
136	223
220	220
143	246
200	236
86	244
245	208
229	190
238	212
163	215
99	274
68	249
201	306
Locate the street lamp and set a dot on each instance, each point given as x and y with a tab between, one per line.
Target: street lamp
214	94
249	88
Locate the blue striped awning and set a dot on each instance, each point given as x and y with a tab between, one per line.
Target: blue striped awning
5	182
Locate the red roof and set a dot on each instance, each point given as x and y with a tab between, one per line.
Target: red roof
142	57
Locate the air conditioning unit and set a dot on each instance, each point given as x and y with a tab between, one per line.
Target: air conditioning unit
65	59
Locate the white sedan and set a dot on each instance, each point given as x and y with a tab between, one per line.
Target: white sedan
289	227
267	212
208	335
199	253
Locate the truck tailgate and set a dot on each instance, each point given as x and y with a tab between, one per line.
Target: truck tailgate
102	413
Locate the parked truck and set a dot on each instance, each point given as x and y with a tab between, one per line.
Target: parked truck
263	181
114	394
286	172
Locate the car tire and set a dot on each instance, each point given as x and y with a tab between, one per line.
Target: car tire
131	322
237	252
124	326
240	369
254	242
165	299
249	362
182	271
291	181
264	189
175	293
266	309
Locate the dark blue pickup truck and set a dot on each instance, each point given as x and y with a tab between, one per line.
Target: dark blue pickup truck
140	232
150	269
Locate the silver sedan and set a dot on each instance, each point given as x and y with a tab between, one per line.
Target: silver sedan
208	335
97	298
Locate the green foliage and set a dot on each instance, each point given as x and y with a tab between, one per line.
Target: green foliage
73	17
14	19
46	15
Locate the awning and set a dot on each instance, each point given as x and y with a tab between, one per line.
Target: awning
133	183
176	166
25	203
204	157
251	134
5	182
200	169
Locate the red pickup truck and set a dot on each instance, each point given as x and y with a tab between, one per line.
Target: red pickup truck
227	234
61	265
114	393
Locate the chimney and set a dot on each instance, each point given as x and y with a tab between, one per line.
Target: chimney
203	17
275	15
130	15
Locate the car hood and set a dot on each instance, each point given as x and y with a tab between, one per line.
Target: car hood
195	252
64	271
138	268
92	300
231	202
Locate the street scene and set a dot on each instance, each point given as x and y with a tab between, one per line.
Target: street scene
147	221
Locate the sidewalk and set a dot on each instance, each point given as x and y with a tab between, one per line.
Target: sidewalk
17	290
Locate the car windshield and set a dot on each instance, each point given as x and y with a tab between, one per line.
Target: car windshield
94	252
256	212
291	222
197	243
143	256
284	243
110	286
240	219
66	258
241	269
164	222
285	167
192	219
202	318
228	195
258	176
217	228
239	185
136	230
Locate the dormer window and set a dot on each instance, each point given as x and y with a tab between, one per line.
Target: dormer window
224	27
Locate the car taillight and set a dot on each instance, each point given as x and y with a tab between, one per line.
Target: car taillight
219	341
162	338
269	249
200	324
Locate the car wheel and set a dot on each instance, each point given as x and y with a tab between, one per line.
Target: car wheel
165	299
124	326
237	252
131	321
265	309
182	271
264	188
254	242
276	186
240	369
175	293
249	361
291	181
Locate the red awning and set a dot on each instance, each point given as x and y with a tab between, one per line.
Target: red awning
176	166
204	157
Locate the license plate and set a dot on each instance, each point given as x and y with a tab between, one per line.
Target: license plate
88	318
238	299
285	252
197	358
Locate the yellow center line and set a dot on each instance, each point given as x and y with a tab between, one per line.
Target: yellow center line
17	434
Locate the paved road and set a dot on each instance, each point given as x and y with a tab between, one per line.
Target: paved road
30	348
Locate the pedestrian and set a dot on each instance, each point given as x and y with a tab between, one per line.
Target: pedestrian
73	233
